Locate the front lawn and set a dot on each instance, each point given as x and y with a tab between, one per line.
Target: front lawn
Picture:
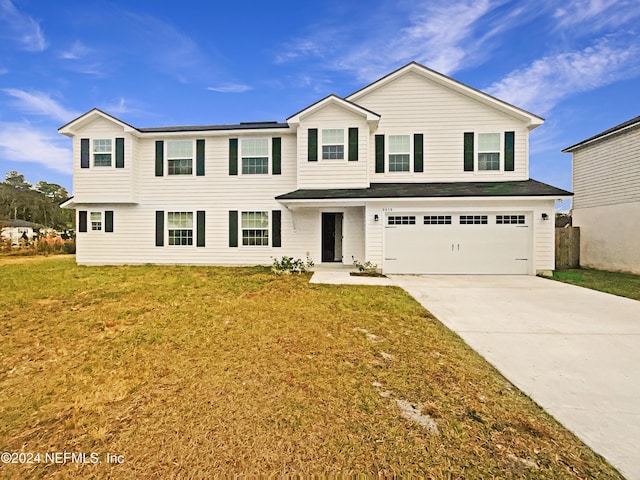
191	372
617	283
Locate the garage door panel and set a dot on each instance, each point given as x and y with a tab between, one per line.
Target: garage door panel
489	248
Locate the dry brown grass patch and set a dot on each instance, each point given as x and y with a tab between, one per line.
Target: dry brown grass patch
192	372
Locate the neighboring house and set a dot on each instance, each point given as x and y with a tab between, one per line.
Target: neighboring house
416	173
606	205
17	230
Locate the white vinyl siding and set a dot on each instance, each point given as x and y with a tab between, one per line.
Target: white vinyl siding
333	173
607	172
104	184
413	104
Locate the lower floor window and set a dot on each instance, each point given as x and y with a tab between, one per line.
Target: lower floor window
255	228
180	226
96	221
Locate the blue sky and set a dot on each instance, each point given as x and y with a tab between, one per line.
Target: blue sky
575	62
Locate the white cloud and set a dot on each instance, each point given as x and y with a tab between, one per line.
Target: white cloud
549	80
76	51
21	27
230	88
592	15
40	103
22	142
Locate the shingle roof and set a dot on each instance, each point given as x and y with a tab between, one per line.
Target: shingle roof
622	126
521	188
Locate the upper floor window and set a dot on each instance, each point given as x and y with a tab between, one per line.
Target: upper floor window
333	144
102	150
399	153
180	157
254	153
488	151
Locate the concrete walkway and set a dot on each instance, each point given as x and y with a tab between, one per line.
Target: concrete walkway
575	351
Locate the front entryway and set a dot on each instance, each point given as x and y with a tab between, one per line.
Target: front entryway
332	237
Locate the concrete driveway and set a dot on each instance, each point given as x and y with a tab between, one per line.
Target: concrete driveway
575	351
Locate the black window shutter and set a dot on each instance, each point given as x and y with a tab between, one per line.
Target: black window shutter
201	225
119	152
509	163
276	226
312	145
200	158
353	144
82	221
159	228
468	152
233	156
233	228
108	221
379	153
159	159
84	153
418	153
276	155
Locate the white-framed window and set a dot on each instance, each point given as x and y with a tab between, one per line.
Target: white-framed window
255	228
180	228
96	221
489	151
180	157
254	154
399	153
333	144
102	152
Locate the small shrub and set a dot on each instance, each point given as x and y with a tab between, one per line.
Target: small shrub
366	269
290	265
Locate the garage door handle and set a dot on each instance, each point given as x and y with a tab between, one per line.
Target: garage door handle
458	247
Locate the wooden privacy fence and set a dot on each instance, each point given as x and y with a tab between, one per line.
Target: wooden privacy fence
568	247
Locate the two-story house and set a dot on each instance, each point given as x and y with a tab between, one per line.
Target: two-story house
416	173
606	205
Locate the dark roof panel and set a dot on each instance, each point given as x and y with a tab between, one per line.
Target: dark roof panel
521	188
205	128
622	126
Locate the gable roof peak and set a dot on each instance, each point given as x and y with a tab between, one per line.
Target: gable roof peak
452	84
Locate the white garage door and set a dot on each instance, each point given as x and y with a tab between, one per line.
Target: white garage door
474	242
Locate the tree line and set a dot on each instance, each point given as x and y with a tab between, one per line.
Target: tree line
40	203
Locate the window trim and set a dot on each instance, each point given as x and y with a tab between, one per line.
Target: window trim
500	153
267	229
111	153
91	222
193	157
387	153
344	144
168	229
241	157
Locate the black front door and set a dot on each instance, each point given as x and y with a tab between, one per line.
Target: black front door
331	237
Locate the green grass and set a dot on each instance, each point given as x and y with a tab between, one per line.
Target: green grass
617	283
192	372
